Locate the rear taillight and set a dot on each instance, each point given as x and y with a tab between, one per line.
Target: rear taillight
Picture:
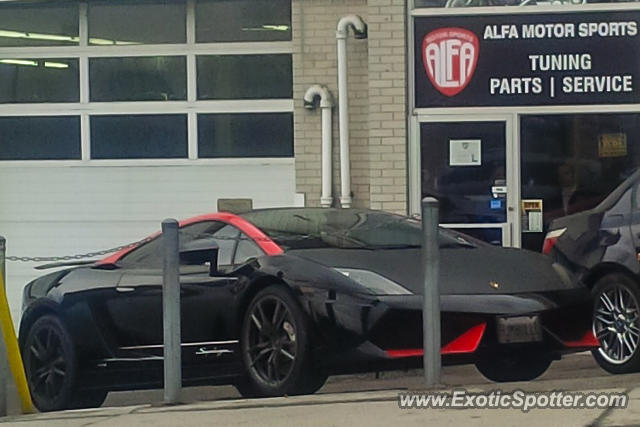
551	238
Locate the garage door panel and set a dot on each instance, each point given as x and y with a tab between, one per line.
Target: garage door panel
55	211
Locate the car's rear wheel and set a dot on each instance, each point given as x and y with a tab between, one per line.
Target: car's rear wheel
515	368
276	347
616	323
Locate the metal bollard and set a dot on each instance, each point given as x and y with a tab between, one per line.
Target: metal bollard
4	364
171	312
431	299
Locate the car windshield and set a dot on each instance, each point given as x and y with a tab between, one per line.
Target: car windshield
345	228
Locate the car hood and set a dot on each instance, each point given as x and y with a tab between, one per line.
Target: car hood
462	270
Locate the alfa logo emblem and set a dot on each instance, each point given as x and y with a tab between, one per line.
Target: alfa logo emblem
450	56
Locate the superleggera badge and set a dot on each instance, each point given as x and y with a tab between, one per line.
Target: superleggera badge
450	56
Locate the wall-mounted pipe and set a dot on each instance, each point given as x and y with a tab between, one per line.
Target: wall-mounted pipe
360	32
326	104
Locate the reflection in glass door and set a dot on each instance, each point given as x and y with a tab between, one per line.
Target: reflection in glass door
571	162
463	165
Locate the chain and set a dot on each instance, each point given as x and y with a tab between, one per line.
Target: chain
75	257
108	251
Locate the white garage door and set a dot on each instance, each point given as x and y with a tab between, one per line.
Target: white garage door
53	210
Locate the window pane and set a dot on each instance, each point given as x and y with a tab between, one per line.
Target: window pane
245	135
39	24
151	255
463	182
160	136
156	78
244	77
136	22
478	3
39	138
573	161
39	80
243	20
226	238
246	250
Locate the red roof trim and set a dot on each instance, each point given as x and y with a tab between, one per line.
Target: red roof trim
465	343
261	239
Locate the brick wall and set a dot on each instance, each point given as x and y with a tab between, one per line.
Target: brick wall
387	104
377	100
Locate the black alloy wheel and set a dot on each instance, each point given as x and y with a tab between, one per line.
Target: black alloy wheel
49	364
276	347
272	340
51	370
616	323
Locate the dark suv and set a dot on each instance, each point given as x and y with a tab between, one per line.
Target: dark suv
601	247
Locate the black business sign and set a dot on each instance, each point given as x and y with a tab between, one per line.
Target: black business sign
532	59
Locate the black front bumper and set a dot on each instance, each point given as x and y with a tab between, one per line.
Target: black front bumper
386	333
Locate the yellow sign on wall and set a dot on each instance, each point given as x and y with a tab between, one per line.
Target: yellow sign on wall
612	145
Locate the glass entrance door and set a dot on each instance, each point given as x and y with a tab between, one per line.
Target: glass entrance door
464	164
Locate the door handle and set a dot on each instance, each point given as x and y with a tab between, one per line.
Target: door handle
125	289
609	238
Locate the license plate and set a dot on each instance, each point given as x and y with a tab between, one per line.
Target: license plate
519	329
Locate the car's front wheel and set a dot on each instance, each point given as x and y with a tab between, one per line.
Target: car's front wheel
50	365
51	368
616	323
276	347
504	369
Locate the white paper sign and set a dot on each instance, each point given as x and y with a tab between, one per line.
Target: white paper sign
465	152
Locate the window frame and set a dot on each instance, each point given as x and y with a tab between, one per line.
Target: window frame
191	106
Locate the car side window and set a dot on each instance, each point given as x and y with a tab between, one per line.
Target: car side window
150	255
226	237
246	250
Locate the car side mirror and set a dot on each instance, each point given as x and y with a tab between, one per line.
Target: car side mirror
199	252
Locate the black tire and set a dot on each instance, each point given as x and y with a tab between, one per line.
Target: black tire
50	364
276	347
512	368
619	351
88	399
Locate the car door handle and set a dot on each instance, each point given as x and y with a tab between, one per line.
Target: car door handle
609	238
125	289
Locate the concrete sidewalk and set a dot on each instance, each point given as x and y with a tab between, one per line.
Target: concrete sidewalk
353	409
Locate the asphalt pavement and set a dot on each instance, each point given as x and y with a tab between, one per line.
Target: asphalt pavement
360	400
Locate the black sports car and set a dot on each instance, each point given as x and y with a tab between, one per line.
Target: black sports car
601	247
296	295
